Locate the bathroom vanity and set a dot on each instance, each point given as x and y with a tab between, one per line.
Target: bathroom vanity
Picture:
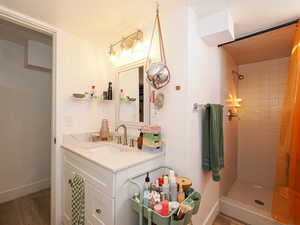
105	168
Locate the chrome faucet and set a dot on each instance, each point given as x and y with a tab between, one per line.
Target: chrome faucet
125	133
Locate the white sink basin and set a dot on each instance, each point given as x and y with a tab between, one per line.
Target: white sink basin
105	148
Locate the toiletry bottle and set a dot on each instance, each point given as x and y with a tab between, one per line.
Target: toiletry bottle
161	182
140	141
165	187
93	91
122	95
173	186
147	182
181	196
165	208
109	91
158	208
146	197
105	96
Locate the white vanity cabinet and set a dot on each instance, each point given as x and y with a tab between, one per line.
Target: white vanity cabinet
106	191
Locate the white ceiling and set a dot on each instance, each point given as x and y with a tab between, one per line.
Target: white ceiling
251	15
102	18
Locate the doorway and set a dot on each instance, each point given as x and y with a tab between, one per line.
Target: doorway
260	75
26	84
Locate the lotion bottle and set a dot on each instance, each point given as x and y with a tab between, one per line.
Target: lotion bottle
173	186
166	187
181	196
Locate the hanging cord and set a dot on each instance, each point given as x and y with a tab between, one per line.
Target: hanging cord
161	48
148	61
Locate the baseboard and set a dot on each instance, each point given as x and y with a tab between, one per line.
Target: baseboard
212	214
23	190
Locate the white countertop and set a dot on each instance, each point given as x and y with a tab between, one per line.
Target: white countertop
106	154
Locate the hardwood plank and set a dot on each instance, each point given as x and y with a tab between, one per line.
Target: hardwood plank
33	209
225	220
8	214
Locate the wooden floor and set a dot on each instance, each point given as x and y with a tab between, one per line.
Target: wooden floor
224	220
33	209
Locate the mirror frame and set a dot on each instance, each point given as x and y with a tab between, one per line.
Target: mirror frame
147	90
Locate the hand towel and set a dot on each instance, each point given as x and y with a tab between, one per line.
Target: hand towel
212	134
78	200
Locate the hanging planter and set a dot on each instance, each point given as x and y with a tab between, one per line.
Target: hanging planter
158	73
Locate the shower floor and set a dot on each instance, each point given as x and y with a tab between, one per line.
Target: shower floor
248	194
249	203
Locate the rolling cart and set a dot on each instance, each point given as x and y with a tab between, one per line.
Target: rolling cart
149	216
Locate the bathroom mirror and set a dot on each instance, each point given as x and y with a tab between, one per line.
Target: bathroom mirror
132	95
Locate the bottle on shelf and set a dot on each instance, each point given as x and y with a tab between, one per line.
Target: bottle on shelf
92	93
109	91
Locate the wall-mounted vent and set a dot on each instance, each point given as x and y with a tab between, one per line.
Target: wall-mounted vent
38	55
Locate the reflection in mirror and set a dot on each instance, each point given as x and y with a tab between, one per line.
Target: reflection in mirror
132	95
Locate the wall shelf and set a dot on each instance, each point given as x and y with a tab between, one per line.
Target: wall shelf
89	99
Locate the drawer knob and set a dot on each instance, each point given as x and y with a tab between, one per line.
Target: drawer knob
98	211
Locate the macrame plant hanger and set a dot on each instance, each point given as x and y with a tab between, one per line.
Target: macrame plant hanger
156	81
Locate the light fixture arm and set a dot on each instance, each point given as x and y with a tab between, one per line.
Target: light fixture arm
135	36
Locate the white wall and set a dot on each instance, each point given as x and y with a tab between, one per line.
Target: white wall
83	65
201	71
25	119
262	92
209	81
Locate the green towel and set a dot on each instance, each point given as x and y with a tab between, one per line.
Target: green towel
78	200
213	149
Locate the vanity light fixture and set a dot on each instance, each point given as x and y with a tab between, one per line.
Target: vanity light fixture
126	43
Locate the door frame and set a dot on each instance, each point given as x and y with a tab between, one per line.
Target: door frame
56	131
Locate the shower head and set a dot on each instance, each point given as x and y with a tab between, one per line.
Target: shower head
240	76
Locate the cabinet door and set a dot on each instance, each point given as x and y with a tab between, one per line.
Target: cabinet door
68	174
99	207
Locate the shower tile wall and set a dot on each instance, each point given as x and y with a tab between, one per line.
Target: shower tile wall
262	92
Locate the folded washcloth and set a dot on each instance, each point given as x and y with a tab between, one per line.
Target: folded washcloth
151	129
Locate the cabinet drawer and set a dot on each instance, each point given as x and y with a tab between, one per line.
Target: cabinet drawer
99	207
101	178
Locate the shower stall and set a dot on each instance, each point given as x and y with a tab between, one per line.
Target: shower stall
259	78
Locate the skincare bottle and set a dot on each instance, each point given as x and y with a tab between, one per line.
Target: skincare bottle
122	95
147	182
140	141
109	91
181	196
173	186
146	198
165	187
165	208
92	93
158	208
